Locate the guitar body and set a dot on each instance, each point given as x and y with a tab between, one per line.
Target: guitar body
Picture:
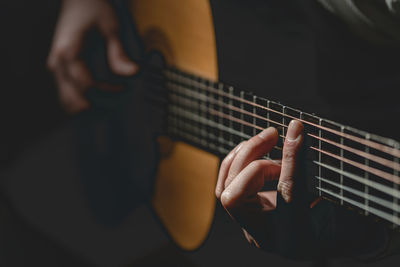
183	197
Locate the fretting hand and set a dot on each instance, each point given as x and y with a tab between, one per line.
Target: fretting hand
243	174
73	78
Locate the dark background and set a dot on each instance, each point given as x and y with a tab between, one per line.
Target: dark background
29	112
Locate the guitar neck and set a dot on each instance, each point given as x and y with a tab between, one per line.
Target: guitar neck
346	165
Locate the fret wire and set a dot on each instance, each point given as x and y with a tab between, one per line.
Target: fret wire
204	98
254	117
268	121
319	158
366	177
241	113
208	94
381	147
396	187
268	114
283	119
180	80
341	164
220	119
203	112
230	112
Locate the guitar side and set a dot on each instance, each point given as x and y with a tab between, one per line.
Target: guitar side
184	188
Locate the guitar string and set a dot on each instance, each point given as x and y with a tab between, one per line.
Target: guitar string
384	162
379	201
207	99
178	76
371	197
382	202
374	171
378	173
179	111
380	147
177	124
196	129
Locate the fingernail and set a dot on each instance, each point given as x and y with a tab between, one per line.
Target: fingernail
295	130
266	133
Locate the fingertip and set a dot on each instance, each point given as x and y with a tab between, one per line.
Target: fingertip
125	67
217	192
119	61
268	133
226	199
295	130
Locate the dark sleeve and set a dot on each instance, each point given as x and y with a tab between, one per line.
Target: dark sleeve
328	231
375	20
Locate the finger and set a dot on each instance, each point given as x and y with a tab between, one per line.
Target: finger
119	61
68	38
291	146
249	182
71	99
224	168
253	149
80	75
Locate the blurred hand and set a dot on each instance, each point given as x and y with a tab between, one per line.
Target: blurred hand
242	176
73	78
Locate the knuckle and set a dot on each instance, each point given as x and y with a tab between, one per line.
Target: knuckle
53	60
258	165
225	162
245	150
285	187
289	155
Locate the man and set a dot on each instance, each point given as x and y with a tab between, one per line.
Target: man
267	219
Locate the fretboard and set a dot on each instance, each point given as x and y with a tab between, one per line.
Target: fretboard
349	166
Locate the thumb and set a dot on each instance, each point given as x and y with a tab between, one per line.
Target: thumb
293	141
119	61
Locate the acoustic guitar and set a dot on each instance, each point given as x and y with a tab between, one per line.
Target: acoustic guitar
205	118
184	99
